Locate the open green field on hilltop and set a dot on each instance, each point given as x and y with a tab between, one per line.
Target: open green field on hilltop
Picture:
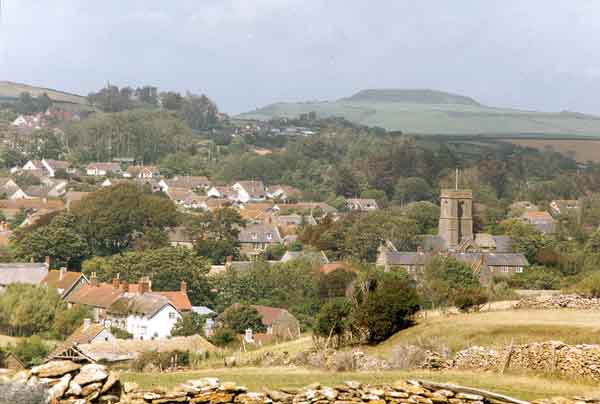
517	385
427	112
10	90
497	329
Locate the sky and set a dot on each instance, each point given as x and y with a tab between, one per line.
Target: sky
244	54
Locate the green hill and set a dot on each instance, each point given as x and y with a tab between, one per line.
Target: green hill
432	112
10	91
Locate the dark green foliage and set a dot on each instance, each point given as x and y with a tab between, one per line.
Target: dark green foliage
589	285
67	321
274	252
222	336
189	324
166	267
448	282
120	333
31	351
333	320
526	239
335	283
112	218
217	234
242	317
385	306
536	277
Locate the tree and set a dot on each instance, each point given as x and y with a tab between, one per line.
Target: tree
189	324
67	321
412	189
526	239
335	283
333	319
385	306
217	234
448	282
240	318
592	245
166	267
31	351
112	218
58	240
425	214
199	111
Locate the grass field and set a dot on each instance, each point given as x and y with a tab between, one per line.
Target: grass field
520	386
10	90
438	118
497	329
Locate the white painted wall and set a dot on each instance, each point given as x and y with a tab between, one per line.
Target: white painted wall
157	327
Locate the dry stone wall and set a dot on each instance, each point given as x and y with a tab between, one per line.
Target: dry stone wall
571	301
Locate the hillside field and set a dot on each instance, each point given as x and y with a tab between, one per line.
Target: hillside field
581	150
430	112
497	329
11	91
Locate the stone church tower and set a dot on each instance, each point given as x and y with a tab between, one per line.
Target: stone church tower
456	216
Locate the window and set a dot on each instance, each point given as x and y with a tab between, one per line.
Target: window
269	236
143	330
172	315
519	270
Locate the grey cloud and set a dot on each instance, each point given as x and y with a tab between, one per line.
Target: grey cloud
534	54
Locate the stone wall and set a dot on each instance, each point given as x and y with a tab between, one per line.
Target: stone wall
571	301
551	356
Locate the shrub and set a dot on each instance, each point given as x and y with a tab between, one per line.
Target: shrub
588	286
189	324
333	319
222	336
121	333
536	277
31	351
161	360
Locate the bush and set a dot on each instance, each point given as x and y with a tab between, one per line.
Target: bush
189	324
333	319
536	277
388	307
588	286
31	351
161	360
222	336
120	333
68	320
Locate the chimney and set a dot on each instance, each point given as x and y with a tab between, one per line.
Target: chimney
47	260
116	282
93	279
32	259
144	285
86	323
183	287
61	273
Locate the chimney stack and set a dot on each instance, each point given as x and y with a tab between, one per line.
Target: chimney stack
61	273
116	282
93	279
144	285
183	287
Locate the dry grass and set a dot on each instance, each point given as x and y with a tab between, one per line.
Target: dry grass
6	340
517	385
498	329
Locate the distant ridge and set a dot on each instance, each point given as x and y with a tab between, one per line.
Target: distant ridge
433	112
410	96
10	90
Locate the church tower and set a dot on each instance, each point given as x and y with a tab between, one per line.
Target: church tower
456	216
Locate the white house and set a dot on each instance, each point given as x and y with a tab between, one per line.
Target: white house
33	165
51	166
101	169
10	189
250	191
146	316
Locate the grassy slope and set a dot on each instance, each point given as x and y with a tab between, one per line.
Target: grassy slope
436	118
520	386
12	90
498	329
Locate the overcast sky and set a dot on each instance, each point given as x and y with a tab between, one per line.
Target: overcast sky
533	54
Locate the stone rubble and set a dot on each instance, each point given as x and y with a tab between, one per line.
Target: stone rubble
567	301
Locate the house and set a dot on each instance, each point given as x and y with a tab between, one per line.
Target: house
55	190
565	207
193	183
221	192
258	236
33	165
98	296
295	220
282	192
278	322
315	209
249	191
179	298
12	362
186	198
32	273
522	206
412	262
87	333
209	314
362	204
65	282
541	220
146	315
144	172
51	166
316	257
113	182
10	189
180	237
102	169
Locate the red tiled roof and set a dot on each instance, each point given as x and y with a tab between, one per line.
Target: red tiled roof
68	280
102	295
178	299
83	335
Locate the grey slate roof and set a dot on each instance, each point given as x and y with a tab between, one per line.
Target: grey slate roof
503	244
31	273
260	233
406	258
